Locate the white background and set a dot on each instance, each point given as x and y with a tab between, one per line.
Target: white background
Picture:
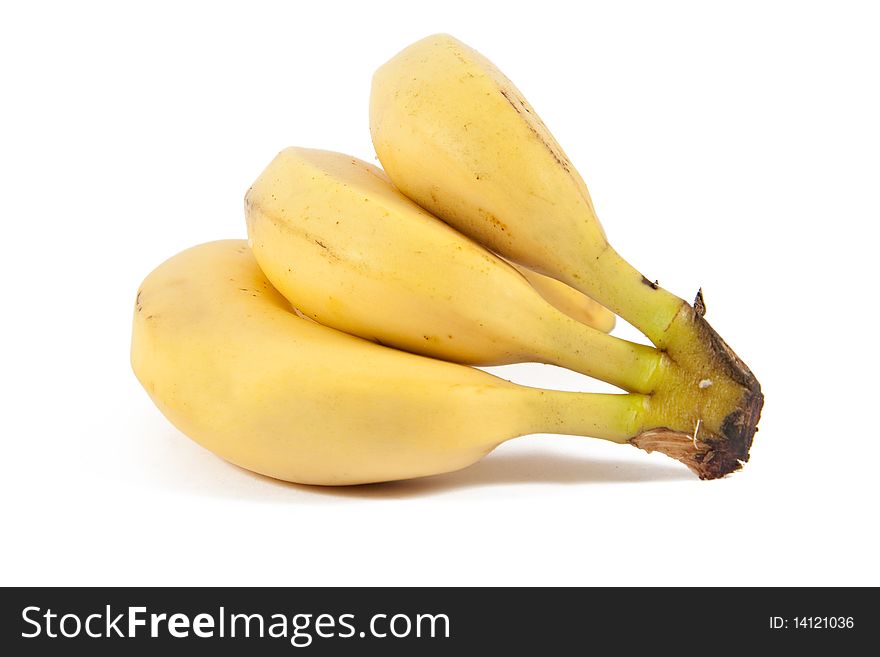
732	146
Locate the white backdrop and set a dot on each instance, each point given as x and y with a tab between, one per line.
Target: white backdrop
730	146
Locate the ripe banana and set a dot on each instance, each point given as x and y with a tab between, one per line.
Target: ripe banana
223	356
349	250
456	136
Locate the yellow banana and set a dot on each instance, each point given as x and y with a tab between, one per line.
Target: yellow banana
349	250
573	303
223	356
456	136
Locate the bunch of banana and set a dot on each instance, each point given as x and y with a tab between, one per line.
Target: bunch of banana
316	354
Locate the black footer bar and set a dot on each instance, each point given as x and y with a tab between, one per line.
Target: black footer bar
428	621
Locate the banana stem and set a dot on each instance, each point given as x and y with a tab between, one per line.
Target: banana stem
614	417
701	382
627	365
628	293
630	419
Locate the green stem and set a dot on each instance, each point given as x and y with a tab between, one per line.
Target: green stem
627	365
617	418
633	296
